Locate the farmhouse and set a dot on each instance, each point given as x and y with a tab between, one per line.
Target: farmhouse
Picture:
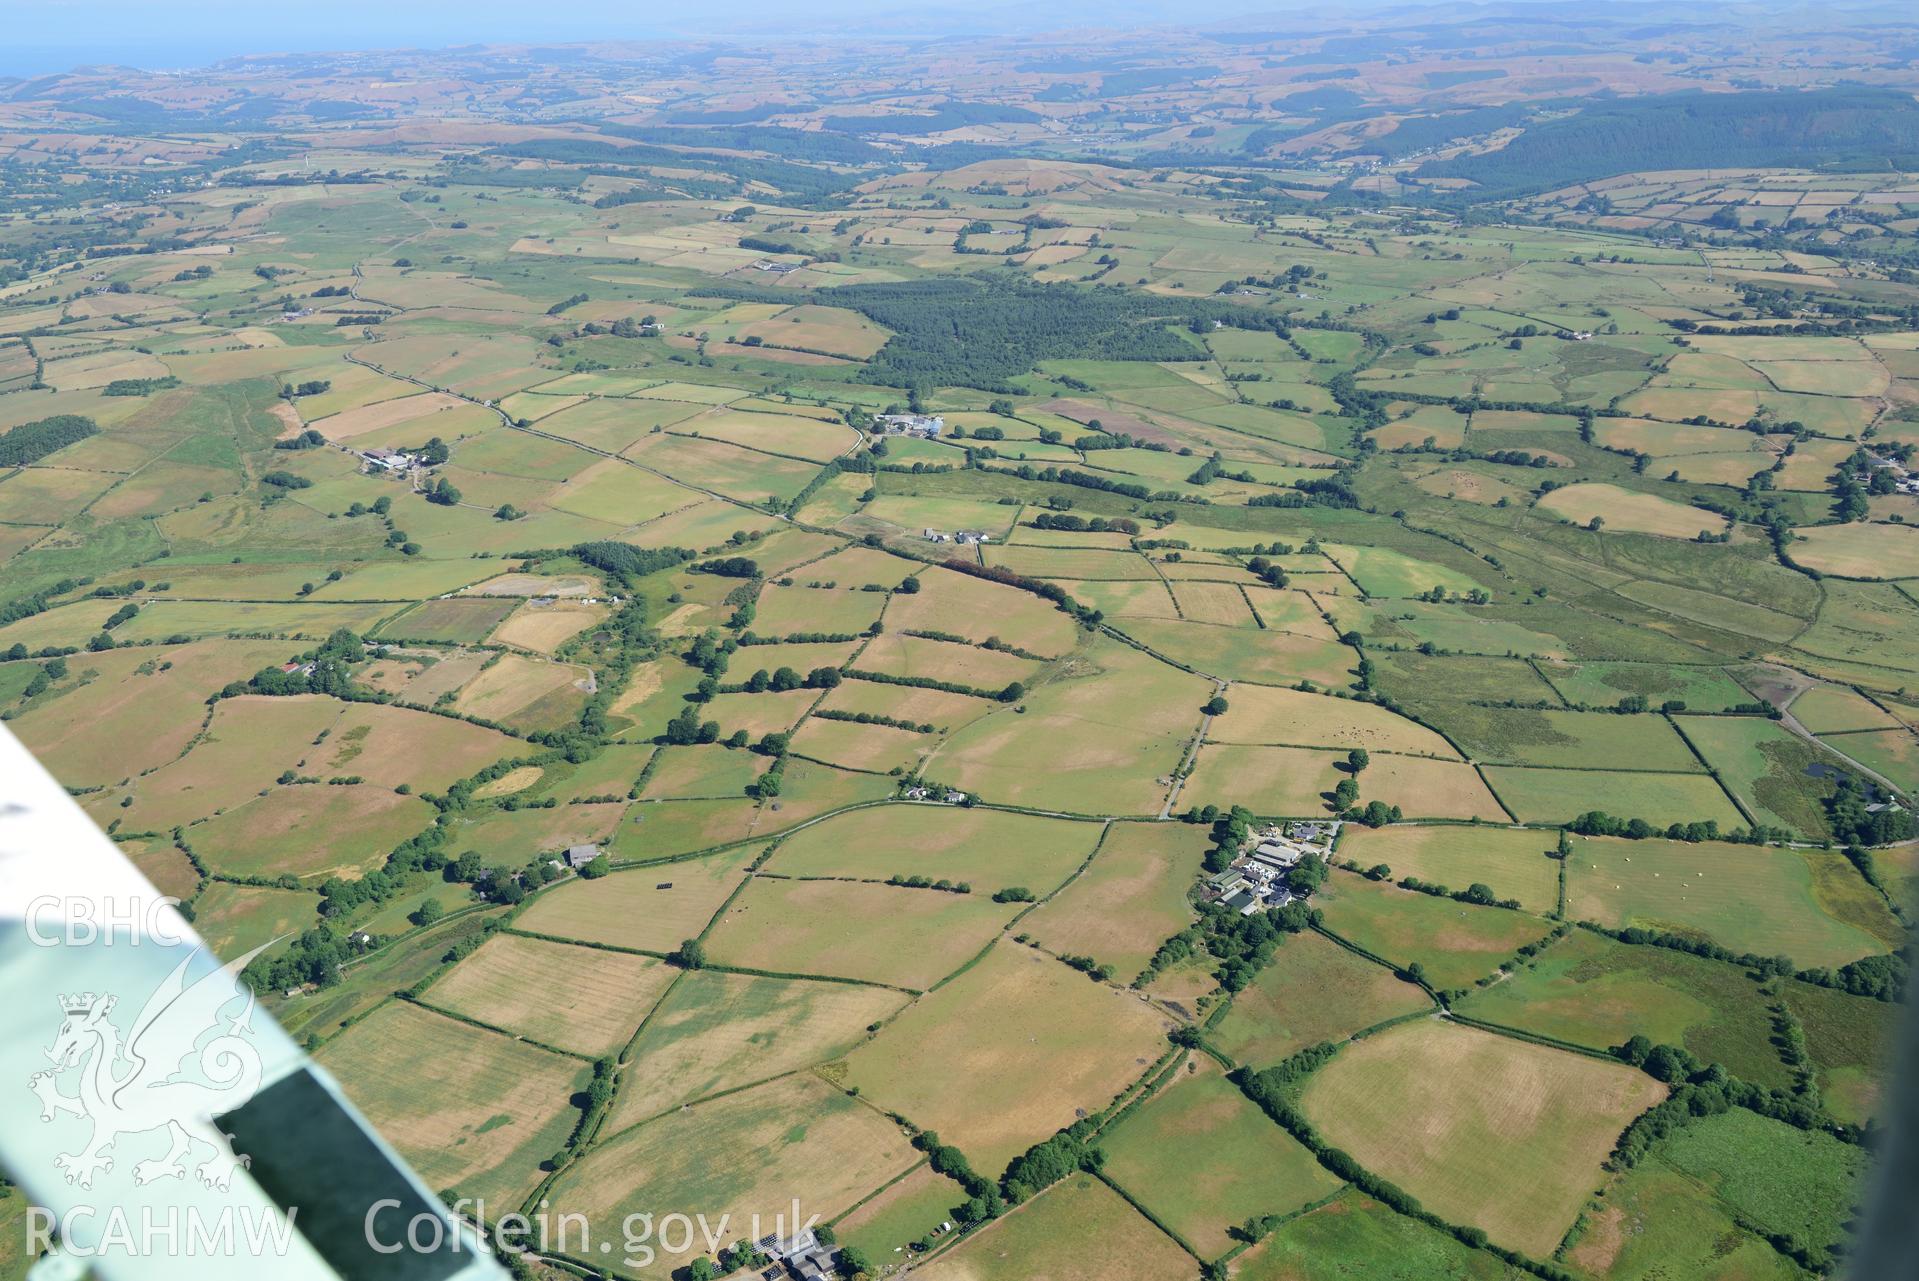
580	855
927	426
388	459
971	537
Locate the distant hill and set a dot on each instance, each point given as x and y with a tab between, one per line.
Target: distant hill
1828	128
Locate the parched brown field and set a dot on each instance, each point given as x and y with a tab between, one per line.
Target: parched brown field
1426	788
961	605
1859	550
165	864
1267	780
457	620
247	743
421	678
738	1156
1498	1133
716	1032
987	848
469	1109
128	720
543	628
1290	610
814	328
1642	435
534	585
906	938
1102	734
274	835
427	405
1132	898
398	745
1258	714
1213	603
1080	1230
936	707
585	1000
786	611
514	780
757	714
513	837
514	684
875	748
895	654
1627	510
774	433
859	567
632	909
1008	1053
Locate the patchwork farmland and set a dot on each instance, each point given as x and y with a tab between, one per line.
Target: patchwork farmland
1090	691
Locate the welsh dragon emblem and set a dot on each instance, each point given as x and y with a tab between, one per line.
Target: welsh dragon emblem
166	1073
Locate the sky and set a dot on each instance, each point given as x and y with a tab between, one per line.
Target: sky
54	35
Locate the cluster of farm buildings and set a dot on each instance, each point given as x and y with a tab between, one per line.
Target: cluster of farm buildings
924	426
802	1257
378	460
1256	880
1906	482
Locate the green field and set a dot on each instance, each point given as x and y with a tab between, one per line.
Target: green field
1655	1222
1560	795
1701	689
1203	1158
1592	991
1283	1011
1809	905
1080	1228
901	1214
1576	740
1357	1236
1515	864
1783	1180
1454	943
1849	1041
1767	768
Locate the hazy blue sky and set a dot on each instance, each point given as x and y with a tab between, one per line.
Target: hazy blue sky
53	35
